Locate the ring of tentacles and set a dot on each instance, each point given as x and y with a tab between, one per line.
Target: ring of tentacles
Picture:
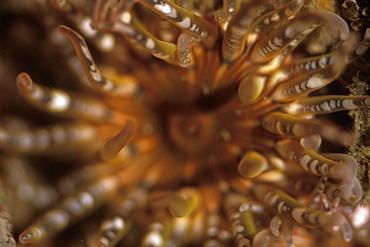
209	136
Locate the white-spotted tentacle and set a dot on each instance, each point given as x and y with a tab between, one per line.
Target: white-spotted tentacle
285	124
31	189
342	167
125	23
67	104
362	46
155	236
66	137
289	71
242	222
311	81
326	104
184	19
288	208
351	187
115	228
125	87
293	32
184	53
234	40
69	210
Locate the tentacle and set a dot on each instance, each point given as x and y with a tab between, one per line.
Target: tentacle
351	187
265	238
230	6
252	164
186	20
212	227
126	86
293	32
275	225
293	69
319	190
77	15
65	137
326	104
184	202
288	208
244	27
28	186
311	142
117	143
287	125
343	166
362	46
242	222
123	22
72	183
184	53
67	104
113	229
234	38
71	209
251	87
154	237
311	81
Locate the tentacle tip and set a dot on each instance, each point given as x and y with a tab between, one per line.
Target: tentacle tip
28	236
24	80
64	30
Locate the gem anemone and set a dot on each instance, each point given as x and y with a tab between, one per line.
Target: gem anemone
200	129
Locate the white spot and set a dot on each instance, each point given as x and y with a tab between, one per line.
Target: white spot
85	26
108	86
86	52
322	62
59	101
251	38
118	223
280	207
323	167
297	215
185	23
75	207
165	8
86	199
315	82
332	104
325	106
348	104
60	218
37	93
58	135
153	239
192	28
43	139
360	216
150	44
304	161
275	17
126	17
95	73
107	42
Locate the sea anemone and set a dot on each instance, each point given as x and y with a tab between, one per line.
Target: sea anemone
201	123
